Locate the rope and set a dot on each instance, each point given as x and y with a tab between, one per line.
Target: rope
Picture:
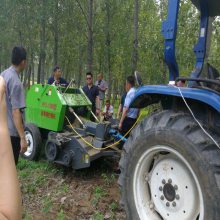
110	146
203	129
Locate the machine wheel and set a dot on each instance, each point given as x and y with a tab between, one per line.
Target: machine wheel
33	137
170	169
51	150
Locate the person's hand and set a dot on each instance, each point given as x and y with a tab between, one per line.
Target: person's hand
120	126
24	145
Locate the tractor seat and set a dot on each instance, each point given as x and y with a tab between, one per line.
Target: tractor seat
213	74
213	6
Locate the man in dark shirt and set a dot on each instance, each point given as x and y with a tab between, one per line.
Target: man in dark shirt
56	79
92	92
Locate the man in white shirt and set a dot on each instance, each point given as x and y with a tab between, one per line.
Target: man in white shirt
129	115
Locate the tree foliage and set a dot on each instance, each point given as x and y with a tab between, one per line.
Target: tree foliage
59	32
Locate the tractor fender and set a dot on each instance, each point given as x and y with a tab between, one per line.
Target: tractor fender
150	94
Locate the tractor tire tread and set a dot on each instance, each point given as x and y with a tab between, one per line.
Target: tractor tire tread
177	121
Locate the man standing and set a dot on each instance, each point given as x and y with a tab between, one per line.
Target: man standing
102	86
92	92
129	115
15	101
56	79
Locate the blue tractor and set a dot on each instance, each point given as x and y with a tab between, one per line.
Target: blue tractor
170	165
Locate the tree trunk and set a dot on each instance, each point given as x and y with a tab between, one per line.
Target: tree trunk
31	78
56	11
108	45
25	78
90	36
43	46
1	51
39	70
135	48
115	92
80	65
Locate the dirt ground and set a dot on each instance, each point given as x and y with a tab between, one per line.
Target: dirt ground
54	192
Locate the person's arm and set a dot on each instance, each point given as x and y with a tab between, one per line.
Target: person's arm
18	103
97	101
10	196
17	118
63	82
104	112
50	81
97	105
125	110
103	87
119	111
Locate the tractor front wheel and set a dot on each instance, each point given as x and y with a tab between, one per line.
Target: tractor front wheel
170	170
33	137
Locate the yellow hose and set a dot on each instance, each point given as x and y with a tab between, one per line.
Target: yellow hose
110	146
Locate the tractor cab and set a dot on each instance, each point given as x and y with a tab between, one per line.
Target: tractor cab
203	73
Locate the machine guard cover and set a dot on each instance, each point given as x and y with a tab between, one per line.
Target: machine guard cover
143	96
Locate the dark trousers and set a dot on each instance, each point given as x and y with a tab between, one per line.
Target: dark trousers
127	125
15	142
94	111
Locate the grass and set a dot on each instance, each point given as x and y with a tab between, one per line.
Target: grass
26	169
108	178
60	215
47	204
99	192
64	188
98	216
26	216
113	206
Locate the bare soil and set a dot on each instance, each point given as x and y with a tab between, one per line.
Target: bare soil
54	192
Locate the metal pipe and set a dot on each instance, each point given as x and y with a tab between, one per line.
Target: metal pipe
94	116
73	112
68	85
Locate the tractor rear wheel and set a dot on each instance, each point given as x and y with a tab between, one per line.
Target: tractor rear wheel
33	137
170	169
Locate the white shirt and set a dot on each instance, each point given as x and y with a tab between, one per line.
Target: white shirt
111	109
132	112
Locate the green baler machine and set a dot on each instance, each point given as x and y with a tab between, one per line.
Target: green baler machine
47	105
52	113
